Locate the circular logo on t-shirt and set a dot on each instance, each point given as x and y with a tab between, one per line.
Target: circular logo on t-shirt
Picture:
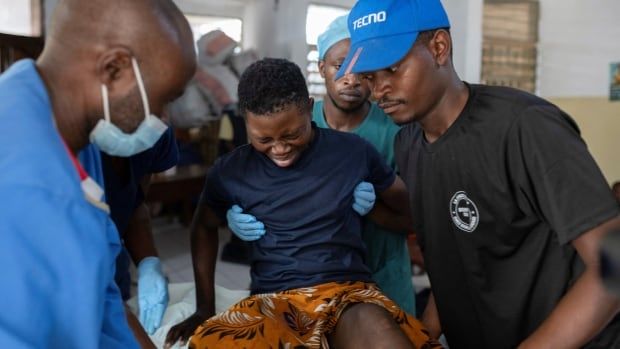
464	212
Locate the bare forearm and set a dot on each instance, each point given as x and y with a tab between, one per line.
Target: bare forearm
138	331
430	318
396	198
587	307
139	235
581	314
204	246
388	218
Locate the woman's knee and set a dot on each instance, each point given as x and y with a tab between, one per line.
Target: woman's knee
368	325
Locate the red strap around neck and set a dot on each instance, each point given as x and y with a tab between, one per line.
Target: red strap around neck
76	163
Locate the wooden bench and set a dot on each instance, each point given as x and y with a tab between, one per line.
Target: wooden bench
184	185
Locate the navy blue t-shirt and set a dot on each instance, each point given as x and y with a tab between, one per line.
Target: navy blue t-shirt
123	195
313	234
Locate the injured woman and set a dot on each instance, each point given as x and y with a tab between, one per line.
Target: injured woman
307	188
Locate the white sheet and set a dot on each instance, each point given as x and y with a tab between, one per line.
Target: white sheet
183	304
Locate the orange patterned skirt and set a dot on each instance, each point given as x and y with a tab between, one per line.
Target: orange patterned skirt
298	318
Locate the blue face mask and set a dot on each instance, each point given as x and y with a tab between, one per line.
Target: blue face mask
111	140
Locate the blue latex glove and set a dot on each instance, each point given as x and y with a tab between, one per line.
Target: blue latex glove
152	293
245	226
364	198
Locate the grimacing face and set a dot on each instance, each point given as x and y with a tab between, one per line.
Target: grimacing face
282	136
406	91
348	93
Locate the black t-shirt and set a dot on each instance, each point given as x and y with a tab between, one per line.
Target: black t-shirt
496	201
313	235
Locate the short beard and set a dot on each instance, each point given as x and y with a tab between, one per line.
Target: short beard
347	110
125	111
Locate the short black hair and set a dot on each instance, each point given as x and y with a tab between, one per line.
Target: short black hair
270	85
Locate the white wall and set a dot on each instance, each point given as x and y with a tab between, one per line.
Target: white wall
273	30
16	18
48	8
578	40
466	29
280	31
228	8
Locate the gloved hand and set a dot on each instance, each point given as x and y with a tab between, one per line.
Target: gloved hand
245	226
364	198
152	293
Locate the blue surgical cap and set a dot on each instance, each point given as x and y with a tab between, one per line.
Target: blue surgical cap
336	31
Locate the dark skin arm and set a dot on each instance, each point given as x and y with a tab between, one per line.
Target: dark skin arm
395	205
138	239
587	307
138	331
430	318
204	245
139	234
382	215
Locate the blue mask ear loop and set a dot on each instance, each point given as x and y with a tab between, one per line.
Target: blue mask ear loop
145	101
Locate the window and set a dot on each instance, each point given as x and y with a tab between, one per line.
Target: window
510	36
22	17
21	31
204	24
317	20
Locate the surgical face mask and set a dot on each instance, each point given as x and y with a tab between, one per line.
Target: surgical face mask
111	140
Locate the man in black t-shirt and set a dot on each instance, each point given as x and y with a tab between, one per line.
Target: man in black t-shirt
509	205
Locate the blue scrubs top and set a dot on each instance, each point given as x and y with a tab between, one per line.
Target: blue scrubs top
57	249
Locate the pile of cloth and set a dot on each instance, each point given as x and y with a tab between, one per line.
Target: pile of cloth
213	90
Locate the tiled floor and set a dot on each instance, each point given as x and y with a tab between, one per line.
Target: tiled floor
172	240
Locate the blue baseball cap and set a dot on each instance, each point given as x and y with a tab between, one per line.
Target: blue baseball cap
336	31
382	32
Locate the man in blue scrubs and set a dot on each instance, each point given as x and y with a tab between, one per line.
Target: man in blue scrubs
57	242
